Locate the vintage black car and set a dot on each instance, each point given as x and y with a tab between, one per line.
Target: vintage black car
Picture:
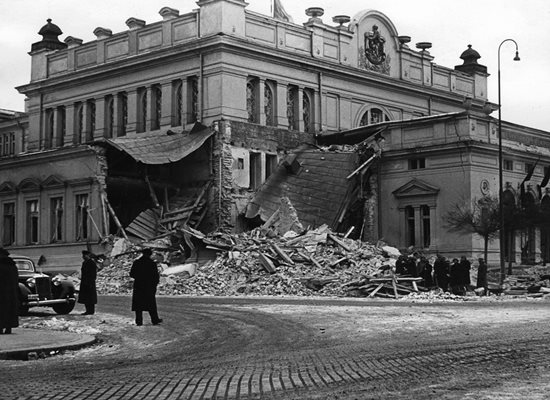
40	290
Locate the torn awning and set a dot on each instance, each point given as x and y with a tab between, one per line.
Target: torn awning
161	148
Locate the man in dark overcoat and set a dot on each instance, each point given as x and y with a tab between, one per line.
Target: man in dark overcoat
465	267
146	278
482	276
441	272
9	293
88	275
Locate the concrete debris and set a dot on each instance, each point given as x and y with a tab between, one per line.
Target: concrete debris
313	262
259	262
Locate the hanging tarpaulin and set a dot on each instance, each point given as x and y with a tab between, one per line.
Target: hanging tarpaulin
279	12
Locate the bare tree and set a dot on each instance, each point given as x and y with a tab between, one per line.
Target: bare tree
479	216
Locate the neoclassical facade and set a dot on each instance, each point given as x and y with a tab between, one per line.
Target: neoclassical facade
215	97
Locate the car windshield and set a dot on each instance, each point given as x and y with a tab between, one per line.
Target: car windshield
24	265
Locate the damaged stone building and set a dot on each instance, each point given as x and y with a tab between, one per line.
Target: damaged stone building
183	119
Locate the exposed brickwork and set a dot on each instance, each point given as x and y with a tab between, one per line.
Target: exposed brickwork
227	197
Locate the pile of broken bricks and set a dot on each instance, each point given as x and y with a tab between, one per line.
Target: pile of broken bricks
314	262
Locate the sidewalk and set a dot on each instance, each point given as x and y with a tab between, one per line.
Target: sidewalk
23	341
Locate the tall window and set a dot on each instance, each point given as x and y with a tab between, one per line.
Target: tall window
426	233
307	110
122	113
32	221
157	107
49	129
269	105
292	107
255	170
109	116
373	116
81	216
270	164
409	220
56	219
142	110
7	144
252	100
90	129
61	126
178	103
78	122
8	234
193	101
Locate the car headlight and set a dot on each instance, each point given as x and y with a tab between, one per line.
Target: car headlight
56	281
31	282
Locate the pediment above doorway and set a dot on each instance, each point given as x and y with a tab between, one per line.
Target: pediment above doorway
416	188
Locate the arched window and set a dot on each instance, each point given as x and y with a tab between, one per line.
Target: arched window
142	110
157	107
373	116
409	216
178	103
193	101
269	105
292	107
123	113
109	116
61	126
90	129
252	100
307	110
426	233
79	122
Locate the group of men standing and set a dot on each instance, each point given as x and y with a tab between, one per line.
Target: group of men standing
451	276
144	271
146	277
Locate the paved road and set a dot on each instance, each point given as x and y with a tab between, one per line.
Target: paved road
298	349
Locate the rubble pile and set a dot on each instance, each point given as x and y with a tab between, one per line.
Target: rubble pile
532	282
316	262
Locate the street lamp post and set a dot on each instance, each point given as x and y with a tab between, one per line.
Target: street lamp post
500	180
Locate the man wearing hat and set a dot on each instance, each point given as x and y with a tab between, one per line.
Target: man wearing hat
88	274
9	293
146	278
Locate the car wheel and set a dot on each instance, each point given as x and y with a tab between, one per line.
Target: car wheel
65	308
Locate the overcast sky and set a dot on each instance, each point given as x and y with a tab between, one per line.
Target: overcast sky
449	25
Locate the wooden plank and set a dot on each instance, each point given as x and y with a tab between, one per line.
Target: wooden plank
267	263
338	242
281	253
376	290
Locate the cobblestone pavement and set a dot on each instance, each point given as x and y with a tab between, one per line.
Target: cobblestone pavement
273	349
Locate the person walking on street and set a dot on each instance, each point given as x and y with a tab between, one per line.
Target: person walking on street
482	276
146	278
9	293
88	275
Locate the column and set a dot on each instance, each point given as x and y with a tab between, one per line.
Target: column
99	118
185	98
417	227
116	116
261	101
433	227
281	119
167	110
132	111
70	125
